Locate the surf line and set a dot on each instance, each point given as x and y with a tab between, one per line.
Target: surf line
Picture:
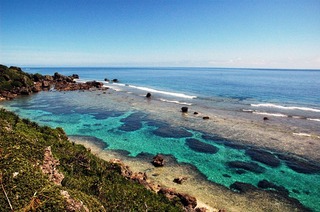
286	107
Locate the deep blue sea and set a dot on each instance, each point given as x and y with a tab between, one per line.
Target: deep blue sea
287	94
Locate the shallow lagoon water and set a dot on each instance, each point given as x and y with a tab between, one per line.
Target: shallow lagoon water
95	114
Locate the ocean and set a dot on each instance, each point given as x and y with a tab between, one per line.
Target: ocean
124	120
278	92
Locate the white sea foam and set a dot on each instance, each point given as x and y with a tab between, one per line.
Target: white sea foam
245	110
311	119
176	102
270	114
302	134
286	107
181	95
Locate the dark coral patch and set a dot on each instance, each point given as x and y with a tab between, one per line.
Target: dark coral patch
223	141
300	165
133	122
199	146
106	114
172	132
242	187
249	166
263	157
265	184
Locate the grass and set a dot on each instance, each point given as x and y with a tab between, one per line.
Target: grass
88	179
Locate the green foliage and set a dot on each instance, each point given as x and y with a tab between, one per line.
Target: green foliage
88	179
14	77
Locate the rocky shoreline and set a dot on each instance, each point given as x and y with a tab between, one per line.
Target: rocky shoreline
15	82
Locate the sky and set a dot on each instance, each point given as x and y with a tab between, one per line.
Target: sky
161	33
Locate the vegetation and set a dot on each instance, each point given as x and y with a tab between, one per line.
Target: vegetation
13	77
96	184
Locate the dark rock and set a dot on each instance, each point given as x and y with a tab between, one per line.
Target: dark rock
187	200
265	118
199	146
37	87
205	118
202	209
242	187
45	84
115	80
95	84
158	160
264	184
172	132
195	113
25	91
58	77
249	166
263	157
148	95
184	109
75	76
106	79
300	165
180	180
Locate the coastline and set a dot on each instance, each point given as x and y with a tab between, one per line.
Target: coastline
244	129
212	196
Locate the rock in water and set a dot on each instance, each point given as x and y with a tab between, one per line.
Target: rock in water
158	160
179	180
184	109
148	95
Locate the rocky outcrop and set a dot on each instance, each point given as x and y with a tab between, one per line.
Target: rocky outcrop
179	180
72	204
14	82
49	167
189	202
158	160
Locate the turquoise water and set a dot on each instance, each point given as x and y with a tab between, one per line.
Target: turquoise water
134	132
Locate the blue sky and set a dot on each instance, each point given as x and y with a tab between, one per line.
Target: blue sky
224	33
